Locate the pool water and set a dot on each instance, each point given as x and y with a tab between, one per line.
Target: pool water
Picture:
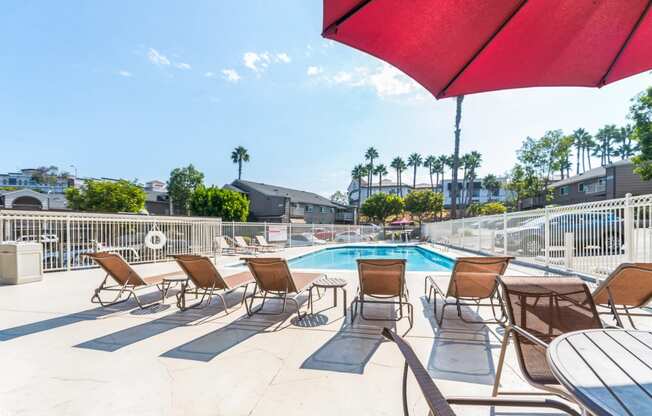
344	258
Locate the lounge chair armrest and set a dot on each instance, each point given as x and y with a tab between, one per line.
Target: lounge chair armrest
528	336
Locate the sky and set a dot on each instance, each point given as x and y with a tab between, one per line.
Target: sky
133	89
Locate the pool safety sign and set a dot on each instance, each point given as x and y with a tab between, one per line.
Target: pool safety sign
277	233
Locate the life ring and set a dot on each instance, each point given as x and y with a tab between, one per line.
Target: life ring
155	240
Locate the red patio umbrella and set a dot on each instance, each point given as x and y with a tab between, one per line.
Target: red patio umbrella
456	47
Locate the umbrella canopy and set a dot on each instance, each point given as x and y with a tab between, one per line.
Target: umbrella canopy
403	221
456	47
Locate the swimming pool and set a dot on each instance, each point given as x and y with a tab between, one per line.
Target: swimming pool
344	258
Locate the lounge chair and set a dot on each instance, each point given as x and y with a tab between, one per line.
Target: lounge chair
273	277
539	310
627	287
127	279
264	245
382	280
473	280
243	245
207	280
224	246
440	405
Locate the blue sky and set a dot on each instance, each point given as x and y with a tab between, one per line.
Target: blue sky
135	88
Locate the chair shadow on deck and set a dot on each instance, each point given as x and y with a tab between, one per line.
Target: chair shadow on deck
352	347
87	315
209	346
461	351
120	339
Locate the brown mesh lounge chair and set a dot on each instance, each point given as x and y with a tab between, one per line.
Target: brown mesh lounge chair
539	310
273	277
264	245
127	279
627	287
473	280
206	281
440	405
382	281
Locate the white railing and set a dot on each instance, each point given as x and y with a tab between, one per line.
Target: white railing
65	236
591	238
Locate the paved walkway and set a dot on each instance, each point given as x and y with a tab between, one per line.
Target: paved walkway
60	355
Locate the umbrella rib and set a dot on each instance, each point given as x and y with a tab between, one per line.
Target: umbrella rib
333	26
603	80
442	93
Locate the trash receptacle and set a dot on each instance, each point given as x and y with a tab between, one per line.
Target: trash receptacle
20	263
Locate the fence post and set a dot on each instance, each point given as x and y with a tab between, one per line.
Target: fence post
629	229
312	239
290	235
546	236
462	236
233	229
68	250
505	233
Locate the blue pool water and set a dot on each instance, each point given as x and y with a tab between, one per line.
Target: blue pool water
344	258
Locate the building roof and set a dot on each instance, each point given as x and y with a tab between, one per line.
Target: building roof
594	173
230	187
294	195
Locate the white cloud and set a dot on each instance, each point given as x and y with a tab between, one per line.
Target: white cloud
209	74
260	61
157	58
125	74
385	80
283	57
231	75
183	65
314	70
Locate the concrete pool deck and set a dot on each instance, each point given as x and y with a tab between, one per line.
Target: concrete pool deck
61	355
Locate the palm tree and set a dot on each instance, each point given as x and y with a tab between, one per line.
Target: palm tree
473	161
626	148
359	172
370	155
437	168
491	184
464	165
587	144
456	154
380	170
399	165
429	162
605	137
415	160
445	163
238	156
579	140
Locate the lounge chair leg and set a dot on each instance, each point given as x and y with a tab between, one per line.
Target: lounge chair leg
501	360
226	309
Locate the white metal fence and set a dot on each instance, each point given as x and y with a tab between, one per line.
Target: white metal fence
591	238
141	239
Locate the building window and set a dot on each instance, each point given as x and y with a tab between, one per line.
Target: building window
308	208
564	190
323	210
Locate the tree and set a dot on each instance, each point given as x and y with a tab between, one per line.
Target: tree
106	196
370	155
240	155
381	206
215	202
46	175
446	162
493	208
582	141
456	155
181	185
437	169
605	138
626	146
472	163
524	182
359	172
423	204
415	160
380	170
339	198
563	154
429	162
491	184
641	114
399	165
